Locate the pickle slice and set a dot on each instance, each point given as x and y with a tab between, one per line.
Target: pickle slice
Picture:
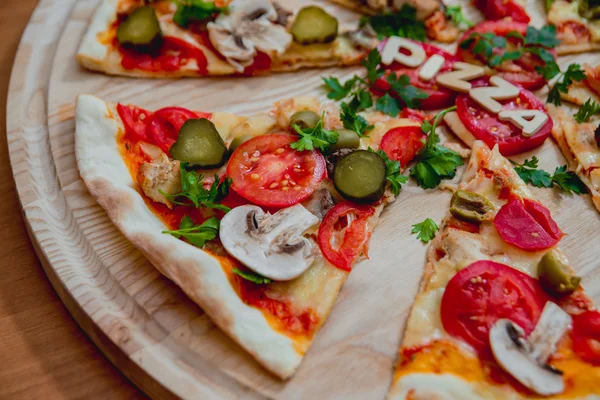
360	176
141	28
314	25
199	144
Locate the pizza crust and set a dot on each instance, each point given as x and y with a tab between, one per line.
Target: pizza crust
196	272
578	93
564	49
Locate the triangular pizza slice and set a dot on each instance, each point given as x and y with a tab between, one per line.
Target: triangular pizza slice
168	38
500	313
577	25
258	219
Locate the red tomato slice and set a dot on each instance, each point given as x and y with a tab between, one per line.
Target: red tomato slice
413	114
527	224
484	292
499	9
439	97
403	143
489	128
586	336
135	120
522	71
267	172
172	54
350	221
165	124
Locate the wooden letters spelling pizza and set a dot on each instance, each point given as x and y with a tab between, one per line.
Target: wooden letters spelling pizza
411	54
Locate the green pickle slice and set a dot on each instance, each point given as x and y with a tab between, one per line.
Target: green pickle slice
141	28
347	139
199	144
314	25
360	176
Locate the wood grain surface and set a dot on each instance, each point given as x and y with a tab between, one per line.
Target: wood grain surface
43	353
140	320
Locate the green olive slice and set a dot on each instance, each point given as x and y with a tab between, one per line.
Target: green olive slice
360	176
469	206
556	275
314	25
141	28
347	139
305	119
236	142
199	144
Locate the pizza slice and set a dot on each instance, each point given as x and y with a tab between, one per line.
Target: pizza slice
412	16
586	89
577	23
240	212
177	38
580	145
500	313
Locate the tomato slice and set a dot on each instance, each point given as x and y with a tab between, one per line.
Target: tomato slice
343	234
499	9
439	97
484	292
522	71
135	120
586	336
413	114
172	55
267	172
489	128
163	128
527	224
403	143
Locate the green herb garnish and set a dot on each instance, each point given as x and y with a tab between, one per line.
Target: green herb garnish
197	235
573	73
587	111
252	276
194	11
314	138
425	230
566	180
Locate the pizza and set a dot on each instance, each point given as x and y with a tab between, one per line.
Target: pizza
500	313
164	38
242	214
577	23
579	144
578	92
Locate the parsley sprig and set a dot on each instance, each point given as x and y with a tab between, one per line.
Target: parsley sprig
252	276
489	45
435	162
402	23
357	90
194	11
573	73
353	121
565	180
192	188
314	138
425	230
393	174
197	235
587	111
456	15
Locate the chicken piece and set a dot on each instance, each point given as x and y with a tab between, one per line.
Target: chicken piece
159	175
440	28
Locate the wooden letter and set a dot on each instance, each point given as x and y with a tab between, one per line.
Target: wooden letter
391	52
486	96
431	67
458	79
529	120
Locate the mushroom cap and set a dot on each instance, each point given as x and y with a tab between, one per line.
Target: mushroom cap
270	245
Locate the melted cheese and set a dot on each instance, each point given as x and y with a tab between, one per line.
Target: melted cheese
381	127
580	138
432	387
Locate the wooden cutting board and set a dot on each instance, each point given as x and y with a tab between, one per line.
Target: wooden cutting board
146	326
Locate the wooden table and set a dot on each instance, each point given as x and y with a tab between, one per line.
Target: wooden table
43	353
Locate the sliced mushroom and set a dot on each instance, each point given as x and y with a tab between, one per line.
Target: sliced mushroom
270	245
526	359
251	25
320	202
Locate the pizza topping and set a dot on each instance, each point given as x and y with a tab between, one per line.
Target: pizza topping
526	359
573	73
140	29
500	9
248	28
320	202
587	111
404	23
556	275
567	181
199	144
360	176
527	224
195	234
347	139
305	119
314	25
403	143
586	336
316	137
164	125
470	206
268	172
270	245
160	177
237	142
199	193
425	230
195	11
343	234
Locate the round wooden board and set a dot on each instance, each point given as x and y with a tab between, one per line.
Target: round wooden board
141	321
